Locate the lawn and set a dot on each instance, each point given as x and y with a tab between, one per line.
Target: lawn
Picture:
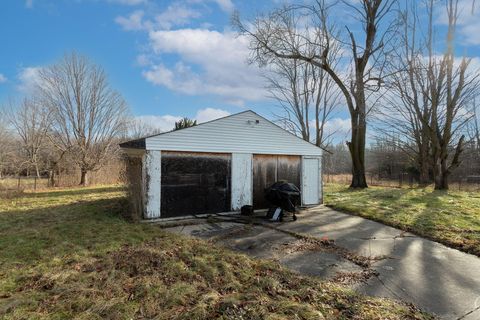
452	217
69	254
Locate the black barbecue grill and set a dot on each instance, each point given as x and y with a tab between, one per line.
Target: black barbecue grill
284	197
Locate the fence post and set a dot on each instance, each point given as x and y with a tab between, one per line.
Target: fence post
35	184
18	183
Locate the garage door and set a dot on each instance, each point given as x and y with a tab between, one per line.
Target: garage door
195	183
268	169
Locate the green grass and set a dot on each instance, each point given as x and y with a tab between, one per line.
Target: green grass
452	218
68	254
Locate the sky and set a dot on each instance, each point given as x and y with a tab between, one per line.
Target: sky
168	58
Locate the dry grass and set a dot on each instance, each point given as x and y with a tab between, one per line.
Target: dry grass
68	254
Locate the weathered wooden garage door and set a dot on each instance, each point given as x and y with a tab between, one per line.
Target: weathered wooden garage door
195	183
270	168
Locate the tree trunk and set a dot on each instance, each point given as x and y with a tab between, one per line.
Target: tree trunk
441	182
37	171
357	151
423	162
424	170
51	177
441	175
83	177
442	169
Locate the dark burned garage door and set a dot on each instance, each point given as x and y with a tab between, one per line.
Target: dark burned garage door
270	168
195	183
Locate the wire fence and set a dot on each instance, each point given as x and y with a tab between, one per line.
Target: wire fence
405	180
109	174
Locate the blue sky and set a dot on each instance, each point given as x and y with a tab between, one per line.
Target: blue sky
168	58
138	58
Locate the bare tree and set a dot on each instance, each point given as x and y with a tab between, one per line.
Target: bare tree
53	154
30	122
87	114
407	105
337	161
449	84
306	94
474	125
7	149
429	94
275	36
138	128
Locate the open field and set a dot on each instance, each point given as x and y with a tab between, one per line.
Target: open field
68	253
452	218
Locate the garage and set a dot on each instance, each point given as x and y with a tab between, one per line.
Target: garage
220	166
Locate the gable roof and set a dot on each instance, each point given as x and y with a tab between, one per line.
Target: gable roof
244	132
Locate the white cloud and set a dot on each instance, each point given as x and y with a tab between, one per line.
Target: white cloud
167	122
226	5
468	20
207	62
161	75
337	127
3	79
133	22
28	78
143	60
195	44
175	15
210	62
208	114
164	123
335	130
128	2
473	67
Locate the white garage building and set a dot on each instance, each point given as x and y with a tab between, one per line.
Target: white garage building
221	165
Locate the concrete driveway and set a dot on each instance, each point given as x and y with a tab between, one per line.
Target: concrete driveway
436	278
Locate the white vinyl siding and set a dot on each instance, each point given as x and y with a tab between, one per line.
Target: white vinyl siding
238	133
